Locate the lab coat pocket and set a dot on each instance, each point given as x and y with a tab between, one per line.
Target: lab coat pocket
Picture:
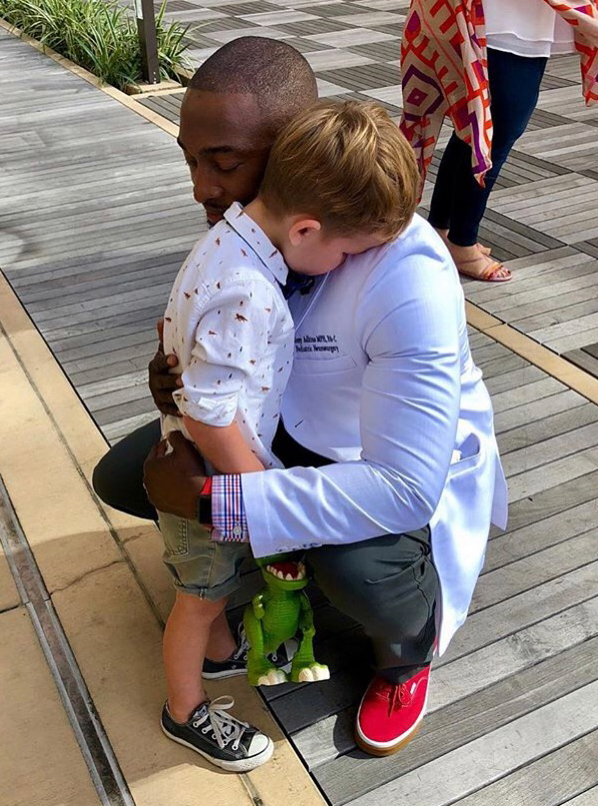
469	455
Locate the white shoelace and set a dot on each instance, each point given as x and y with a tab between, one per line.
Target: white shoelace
243	649
241	653
225	728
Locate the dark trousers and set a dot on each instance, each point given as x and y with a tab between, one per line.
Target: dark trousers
458	202
387	584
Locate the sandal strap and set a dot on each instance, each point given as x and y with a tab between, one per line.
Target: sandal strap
491	270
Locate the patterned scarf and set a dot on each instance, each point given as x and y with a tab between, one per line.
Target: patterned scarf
445	72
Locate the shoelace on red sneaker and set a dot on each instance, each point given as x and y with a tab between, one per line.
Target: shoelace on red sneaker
399	696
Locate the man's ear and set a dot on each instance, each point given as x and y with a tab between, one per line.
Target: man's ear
303	228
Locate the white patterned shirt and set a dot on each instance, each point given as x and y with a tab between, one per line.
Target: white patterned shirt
230	327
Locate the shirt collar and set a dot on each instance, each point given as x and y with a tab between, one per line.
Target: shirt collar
257	239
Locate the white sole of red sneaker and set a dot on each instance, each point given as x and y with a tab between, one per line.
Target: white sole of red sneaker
386	748
374	750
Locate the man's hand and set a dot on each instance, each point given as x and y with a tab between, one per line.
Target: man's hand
161	382
173	475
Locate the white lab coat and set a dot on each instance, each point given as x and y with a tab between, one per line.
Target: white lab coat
384	384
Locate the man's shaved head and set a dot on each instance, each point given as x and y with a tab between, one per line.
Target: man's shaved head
277	75
235	106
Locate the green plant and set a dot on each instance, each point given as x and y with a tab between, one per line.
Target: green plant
99	36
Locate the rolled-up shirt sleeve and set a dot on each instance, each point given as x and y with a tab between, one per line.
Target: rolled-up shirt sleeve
229	338
408	420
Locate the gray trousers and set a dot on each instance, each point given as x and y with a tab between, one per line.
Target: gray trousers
387	584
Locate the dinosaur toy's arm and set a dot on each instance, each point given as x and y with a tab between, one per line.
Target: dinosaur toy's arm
257	603
306	619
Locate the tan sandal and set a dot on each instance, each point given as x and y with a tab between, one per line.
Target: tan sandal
495	272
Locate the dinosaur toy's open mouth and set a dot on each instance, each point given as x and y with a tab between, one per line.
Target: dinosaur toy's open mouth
290	571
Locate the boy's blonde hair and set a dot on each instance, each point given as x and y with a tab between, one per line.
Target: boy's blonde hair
348	166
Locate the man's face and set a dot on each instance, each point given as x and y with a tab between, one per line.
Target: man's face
226	145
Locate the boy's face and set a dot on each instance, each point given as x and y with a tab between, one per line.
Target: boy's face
226	144
311	250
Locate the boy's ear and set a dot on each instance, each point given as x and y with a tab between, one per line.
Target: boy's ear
303	228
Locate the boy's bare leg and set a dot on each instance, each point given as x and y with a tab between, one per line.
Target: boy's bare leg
209	729
184	649
221	643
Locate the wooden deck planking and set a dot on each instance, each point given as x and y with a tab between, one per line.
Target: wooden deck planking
95	263
531	482
539	288
474	679
571	146
530	573
474	764
587	798
567	101
565	344
503	711
530	456
583	359
473	716
550	426
564	773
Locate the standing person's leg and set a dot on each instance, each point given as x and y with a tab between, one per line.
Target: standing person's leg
514	87
455	160
455	163
118	476
184	649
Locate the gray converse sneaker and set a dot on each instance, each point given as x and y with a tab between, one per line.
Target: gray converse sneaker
219	737
237	663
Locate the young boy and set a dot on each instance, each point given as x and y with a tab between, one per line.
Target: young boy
340	179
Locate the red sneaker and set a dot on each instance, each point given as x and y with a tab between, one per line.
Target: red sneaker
391	714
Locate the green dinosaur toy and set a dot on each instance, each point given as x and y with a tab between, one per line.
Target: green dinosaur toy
274	615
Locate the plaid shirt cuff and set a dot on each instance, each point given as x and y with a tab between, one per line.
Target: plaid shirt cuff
228	512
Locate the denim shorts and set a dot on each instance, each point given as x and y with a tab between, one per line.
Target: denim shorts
198	565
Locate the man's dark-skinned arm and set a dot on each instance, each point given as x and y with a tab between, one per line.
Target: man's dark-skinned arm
172	475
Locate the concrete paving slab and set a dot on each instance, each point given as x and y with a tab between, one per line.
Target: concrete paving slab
39	756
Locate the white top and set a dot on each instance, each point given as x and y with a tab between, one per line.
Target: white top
527	28
230	327
383	381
